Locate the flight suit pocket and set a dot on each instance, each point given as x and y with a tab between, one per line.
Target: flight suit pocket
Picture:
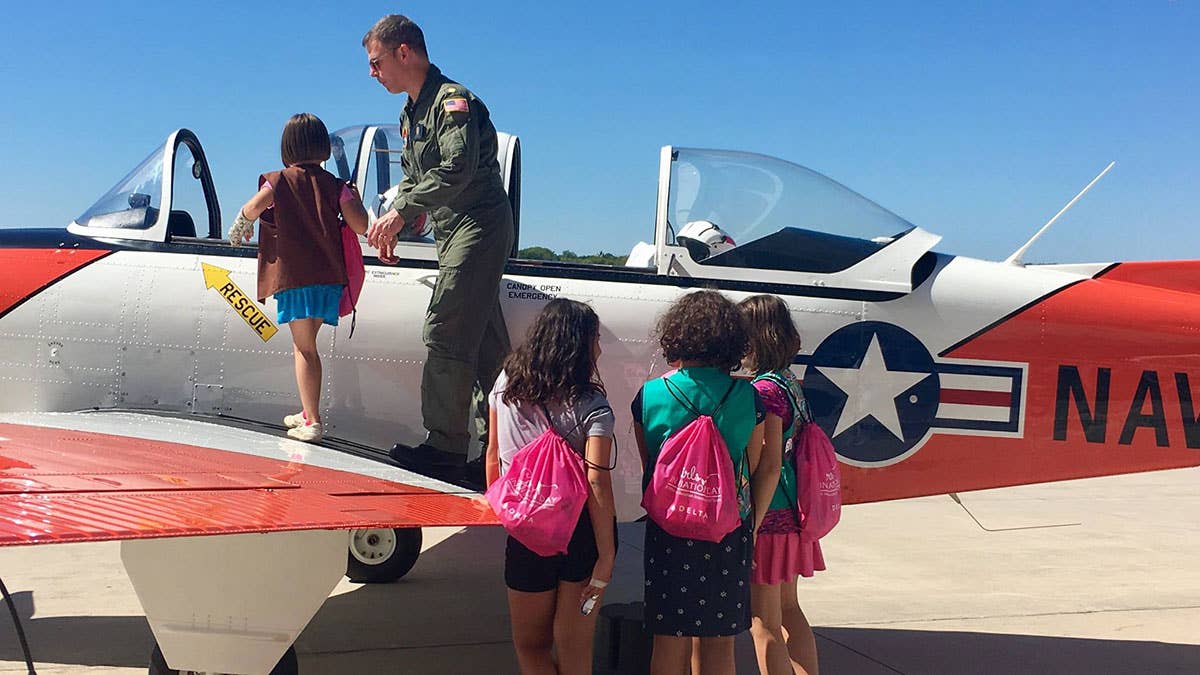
428	154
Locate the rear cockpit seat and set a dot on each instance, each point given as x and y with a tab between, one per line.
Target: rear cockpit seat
180	224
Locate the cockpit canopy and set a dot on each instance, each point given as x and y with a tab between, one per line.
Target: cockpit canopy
782	215
789	224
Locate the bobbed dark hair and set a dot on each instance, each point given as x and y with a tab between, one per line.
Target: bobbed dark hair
555	362
305	140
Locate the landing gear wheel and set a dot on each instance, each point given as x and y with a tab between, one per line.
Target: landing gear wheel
288	665
382	556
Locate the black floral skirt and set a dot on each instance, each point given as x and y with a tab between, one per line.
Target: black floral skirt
697	588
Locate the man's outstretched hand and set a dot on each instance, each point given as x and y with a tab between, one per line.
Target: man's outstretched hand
384	230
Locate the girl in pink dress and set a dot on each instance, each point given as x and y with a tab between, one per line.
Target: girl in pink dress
783	640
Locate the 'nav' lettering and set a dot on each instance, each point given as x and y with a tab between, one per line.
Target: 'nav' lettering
1070	386
1156	419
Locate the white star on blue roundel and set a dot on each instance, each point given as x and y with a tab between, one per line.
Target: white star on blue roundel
874	388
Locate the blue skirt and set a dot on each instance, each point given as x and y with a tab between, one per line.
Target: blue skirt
309	302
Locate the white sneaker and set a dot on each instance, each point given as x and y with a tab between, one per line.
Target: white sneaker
293	421
310	433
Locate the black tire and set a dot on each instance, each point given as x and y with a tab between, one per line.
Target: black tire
288	663
391	568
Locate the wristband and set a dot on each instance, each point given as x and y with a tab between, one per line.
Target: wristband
597	583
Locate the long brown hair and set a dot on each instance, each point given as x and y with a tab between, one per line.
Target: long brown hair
774	340
556	361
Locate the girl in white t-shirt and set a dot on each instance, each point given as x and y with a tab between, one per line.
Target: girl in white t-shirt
551	379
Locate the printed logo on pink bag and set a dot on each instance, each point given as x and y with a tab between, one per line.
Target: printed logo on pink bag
529	489
691	482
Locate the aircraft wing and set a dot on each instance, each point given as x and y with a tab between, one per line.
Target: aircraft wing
114	476
231	538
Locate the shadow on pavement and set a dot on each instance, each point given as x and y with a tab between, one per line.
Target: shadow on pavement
869	651
115	641
451	610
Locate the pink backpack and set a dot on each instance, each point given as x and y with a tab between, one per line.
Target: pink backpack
692	493
540	497
819	482
818	478
356	272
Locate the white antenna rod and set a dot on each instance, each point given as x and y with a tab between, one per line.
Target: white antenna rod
1015	258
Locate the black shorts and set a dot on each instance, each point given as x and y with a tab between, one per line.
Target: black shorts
529	572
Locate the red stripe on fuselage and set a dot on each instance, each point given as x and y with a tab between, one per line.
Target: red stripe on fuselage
971	397
25	272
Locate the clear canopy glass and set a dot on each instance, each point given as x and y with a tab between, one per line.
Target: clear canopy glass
133	203
750	196
344	145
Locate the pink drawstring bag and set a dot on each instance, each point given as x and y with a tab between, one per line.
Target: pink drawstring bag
356	272
540	497
692	493
819	482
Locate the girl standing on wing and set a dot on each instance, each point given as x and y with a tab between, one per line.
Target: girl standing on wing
696	588
551	379
783	640
300	252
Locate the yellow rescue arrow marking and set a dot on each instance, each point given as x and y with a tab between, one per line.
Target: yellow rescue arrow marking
243	305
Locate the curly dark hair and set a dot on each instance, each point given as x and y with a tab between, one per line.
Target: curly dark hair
705	327
556	361
774	340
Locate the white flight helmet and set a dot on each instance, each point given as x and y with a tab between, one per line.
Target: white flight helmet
704	239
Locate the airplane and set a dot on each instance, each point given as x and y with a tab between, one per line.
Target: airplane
932	373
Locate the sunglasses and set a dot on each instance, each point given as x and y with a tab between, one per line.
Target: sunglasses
374	63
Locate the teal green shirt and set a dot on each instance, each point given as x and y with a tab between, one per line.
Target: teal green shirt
660	415
781	395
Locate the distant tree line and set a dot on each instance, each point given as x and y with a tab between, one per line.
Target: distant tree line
543	253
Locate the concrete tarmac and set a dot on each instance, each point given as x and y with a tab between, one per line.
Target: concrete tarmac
1091	576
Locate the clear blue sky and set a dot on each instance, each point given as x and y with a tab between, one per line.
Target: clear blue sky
977	121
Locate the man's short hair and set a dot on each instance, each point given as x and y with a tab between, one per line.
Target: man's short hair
394	30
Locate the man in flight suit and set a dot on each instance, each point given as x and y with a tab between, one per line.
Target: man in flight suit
451	175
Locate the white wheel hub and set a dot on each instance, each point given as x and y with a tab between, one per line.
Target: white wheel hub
372	547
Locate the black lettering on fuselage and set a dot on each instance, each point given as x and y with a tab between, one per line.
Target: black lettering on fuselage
1093	419
1156	419
1187	411
259	324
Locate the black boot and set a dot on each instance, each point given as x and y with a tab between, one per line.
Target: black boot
474	474
428	460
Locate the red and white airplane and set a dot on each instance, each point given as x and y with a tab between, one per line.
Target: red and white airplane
140	379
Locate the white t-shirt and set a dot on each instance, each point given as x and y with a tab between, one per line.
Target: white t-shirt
519	424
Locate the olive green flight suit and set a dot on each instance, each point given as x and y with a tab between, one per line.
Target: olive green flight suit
451	173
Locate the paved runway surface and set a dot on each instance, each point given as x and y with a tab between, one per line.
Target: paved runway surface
914	586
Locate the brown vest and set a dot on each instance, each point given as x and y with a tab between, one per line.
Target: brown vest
300	242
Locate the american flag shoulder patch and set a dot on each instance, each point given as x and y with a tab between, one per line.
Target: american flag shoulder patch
456	104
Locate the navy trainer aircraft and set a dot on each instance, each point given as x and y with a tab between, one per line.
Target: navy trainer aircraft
140	379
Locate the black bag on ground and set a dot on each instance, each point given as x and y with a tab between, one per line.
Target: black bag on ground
622	644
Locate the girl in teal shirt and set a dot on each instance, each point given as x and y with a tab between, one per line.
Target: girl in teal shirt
700	589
